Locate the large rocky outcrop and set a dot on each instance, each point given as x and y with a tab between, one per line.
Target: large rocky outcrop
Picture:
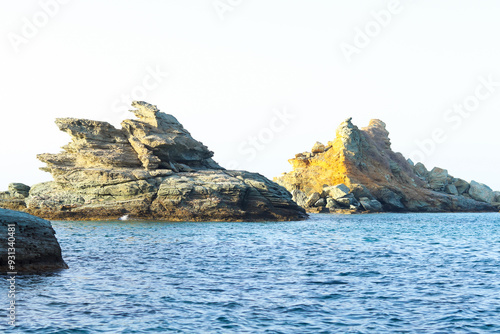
150	168
35	246
358	171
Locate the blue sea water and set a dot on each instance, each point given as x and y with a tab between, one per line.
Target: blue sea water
380	273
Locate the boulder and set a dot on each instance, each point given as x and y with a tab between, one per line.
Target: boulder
461	185
299	197
451	189
14	198
370	204
19	189
319	203
481	192
359	191
331	203
347	201
420	170
36	247
337	191
318	148
497	196
390	200
313	198
437	178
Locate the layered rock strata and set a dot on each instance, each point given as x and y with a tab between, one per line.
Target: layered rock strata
358	171
36	248
151	168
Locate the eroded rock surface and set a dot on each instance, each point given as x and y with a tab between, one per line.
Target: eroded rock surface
358	171
150	168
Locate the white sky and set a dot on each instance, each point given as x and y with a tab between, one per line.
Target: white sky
227	77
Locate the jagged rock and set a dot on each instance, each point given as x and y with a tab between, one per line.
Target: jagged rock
370	204
318	148
312	199
481	192
461	185
36	247
437	178
497	196
363	161
159	139
150	168
336	191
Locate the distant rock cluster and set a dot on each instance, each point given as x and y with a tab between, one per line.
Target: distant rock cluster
150	168
439	180
359	172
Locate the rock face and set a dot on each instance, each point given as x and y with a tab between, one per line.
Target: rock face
358	171
36	247
150	168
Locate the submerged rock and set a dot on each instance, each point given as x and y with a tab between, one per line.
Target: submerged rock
150	168
360	163
36	247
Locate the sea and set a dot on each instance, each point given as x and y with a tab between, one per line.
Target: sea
369	273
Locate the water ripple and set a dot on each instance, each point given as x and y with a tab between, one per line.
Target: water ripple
386	273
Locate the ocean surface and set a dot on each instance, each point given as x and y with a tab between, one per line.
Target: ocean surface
380	273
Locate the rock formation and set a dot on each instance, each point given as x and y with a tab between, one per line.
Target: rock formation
358	171
14	198
150	168
36	247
